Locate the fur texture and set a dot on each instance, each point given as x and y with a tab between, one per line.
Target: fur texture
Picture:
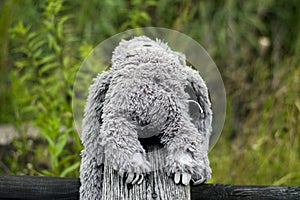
148	91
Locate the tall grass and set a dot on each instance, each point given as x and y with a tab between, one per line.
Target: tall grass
255	44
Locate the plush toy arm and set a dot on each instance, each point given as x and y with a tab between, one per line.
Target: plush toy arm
123	151
203	120
91	168
188	149
198	92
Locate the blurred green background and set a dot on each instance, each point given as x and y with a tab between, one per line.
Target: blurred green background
255	44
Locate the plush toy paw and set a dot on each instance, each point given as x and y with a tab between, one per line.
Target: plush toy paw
203	173
137	167
185	169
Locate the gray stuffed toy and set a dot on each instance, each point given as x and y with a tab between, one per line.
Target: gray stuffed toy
148	91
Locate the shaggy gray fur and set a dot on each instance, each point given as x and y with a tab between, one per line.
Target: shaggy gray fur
148	91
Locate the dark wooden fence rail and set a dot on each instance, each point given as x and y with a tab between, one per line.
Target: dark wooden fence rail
34	187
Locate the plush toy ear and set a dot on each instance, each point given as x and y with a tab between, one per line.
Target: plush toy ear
199	103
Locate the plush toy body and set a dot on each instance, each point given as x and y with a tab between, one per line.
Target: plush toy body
148	91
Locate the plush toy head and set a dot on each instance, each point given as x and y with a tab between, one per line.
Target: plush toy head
127	49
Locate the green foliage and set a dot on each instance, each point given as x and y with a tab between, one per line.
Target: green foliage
255	44
42	84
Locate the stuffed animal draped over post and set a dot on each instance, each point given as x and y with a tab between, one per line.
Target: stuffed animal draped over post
148	91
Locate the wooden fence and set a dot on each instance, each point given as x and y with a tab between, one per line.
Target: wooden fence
37	187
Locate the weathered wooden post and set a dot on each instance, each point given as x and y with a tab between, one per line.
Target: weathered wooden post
156	186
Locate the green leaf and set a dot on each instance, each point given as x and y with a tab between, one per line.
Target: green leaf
51	41
70	169
22	63
48	138
37	55
36	43
21	29
32	35
48	67
61	144
48	173
49	25
47	59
